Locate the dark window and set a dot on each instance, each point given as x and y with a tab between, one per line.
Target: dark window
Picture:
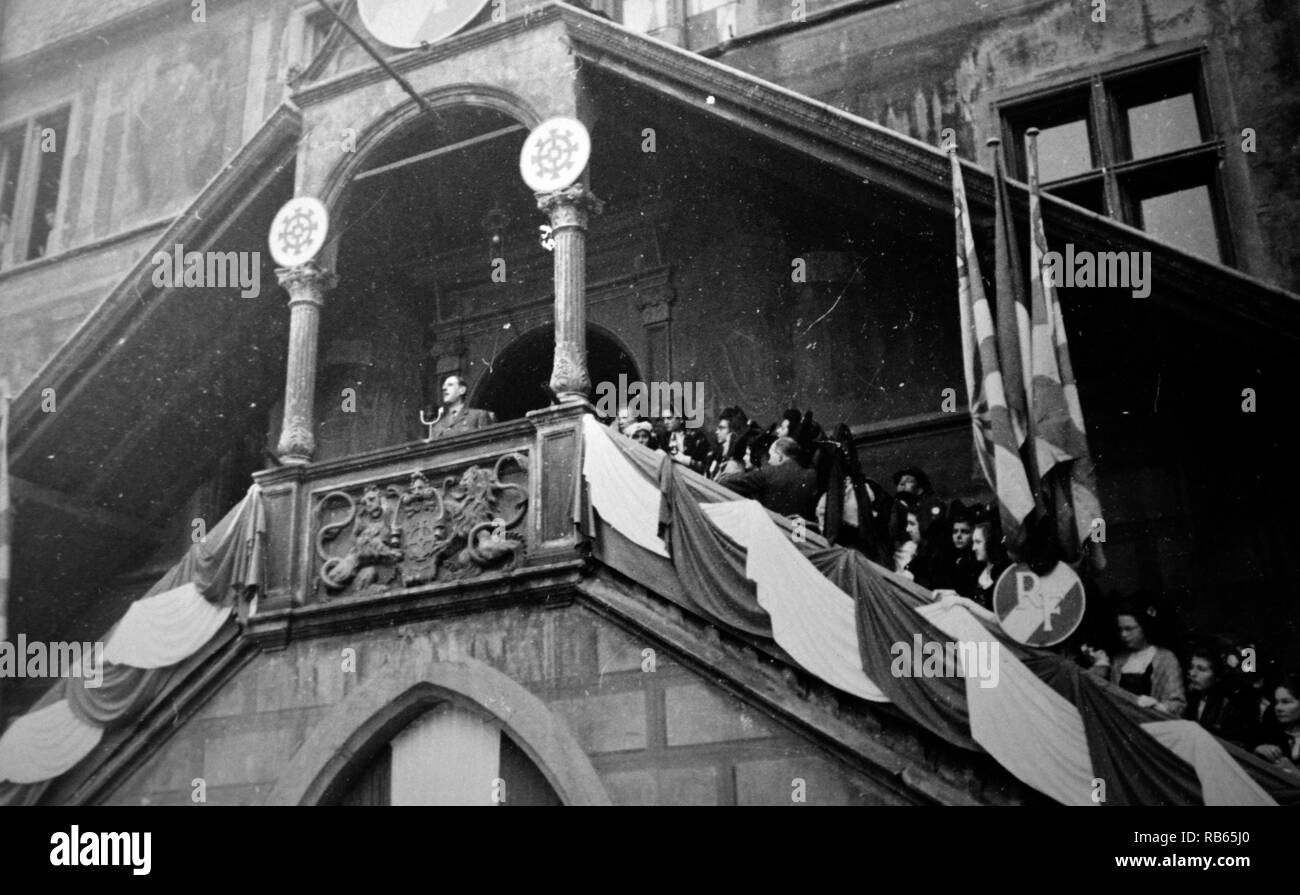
315	29
31	175
1134	143
11	162
49	131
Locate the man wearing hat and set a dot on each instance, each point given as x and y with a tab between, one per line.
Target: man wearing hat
912	487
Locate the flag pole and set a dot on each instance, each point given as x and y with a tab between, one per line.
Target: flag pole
1071	490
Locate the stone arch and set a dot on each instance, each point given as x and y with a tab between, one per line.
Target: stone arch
504	392
367	719
333	192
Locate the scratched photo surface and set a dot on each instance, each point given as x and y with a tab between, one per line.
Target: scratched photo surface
648	402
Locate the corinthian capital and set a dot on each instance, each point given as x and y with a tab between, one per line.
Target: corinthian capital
571	206
306	282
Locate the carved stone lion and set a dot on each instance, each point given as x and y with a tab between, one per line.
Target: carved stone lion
374	544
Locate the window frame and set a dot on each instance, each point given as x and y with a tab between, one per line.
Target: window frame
1124	181
297	58
28	181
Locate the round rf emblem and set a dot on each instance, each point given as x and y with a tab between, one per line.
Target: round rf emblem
298	231
1039	610
554	155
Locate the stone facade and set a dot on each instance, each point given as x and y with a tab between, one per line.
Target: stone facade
657	732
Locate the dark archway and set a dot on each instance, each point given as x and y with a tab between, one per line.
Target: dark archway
520	374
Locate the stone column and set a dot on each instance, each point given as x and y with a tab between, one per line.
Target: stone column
307	285
569	210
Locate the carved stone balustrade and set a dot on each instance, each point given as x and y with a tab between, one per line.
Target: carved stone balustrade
443	520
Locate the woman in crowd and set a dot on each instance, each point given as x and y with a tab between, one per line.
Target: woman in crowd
988	554
642	433
905	533
1149	672
1280	734
740	456
1215	700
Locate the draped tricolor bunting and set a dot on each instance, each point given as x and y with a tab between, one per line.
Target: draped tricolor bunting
840	617
184	611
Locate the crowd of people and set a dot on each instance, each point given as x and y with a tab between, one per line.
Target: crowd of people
1218	682
798	470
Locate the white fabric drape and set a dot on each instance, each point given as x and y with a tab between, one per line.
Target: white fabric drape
45	743
812	619
1030	729
624	497
1223	780
165	629
447	757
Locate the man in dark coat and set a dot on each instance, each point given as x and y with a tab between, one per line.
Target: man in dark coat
454	417
783	486
955	567
689	447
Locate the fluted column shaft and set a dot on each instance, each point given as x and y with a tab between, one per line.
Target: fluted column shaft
569	210
307	285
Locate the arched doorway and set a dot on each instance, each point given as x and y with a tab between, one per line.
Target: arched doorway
446	756
521	373
349	742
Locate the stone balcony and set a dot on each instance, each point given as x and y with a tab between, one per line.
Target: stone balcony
423	528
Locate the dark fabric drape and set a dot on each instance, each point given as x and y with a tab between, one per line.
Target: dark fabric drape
231	559
1136	769
885	616
710	565
617	551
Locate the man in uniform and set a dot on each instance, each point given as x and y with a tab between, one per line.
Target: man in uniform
455	417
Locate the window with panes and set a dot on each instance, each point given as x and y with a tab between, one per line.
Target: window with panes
1136	143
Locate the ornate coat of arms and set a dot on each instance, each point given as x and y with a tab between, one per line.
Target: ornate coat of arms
424	532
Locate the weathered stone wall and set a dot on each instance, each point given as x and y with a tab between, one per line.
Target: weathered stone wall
921	66
667	736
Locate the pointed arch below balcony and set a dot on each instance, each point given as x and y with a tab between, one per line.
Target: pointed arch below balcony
363	724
